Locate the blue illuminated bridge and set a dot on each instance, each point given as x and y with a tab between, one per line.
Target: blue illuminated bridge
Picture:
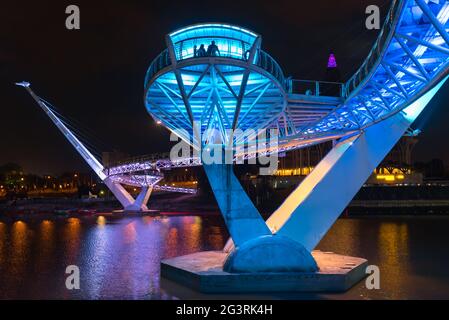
235	84
216	77
243	87
240	86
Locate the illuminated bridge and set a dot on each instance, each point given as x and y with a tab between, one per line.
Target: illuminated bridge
214	77
229	91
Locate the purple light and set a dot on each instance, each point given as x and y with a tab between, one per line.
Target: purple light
332	62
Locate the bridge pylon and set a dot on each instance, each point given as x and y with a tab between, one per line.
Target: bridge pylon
121	194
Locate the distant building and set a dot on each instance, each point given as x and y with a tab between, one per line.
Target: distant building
397	167
332	72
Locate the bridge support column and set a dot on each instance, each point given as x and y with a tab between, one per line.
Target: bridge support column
119	192
310	210
126	200
256	248
140	204
123	196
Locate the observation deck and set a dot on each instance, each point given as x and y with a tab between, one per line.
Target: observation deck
244	87
234	85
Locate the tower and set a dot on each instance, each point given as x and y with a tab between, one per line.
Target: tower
332	70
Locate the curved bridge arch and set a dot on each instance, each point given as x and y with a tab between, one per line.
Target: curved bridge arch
409	57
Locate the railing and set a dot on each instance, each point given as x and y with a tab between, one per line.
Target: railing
376	52
228	48
262	60
266	62
160	62
141	159
315	88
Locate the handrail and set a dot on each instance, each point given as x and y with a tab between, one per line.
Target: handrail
266	62
143	158
262	60
375	55
315	88
158	63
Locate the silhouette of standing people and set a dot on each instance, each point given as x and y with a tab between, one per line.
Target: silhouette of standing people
201	52
195	51
212	50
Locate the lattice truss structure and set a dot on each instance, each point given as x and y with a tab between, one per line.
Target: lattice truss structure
411	50
244	88
215	96
239	89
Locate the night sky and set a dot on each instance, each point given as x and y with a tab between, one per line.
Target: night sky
95	75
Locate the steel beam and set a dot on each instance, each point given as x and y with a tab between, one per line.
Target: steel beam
308	213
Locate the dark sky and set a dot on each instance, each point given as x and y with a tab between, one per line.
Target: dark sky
95	75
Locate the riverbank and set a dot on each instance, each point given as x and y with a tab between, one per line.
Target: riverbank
188	204
160	203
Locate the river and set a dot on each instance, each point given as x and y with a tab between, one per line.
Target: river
118	257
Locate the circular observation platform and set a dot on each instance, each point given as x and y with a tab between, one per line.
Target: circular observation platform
217	77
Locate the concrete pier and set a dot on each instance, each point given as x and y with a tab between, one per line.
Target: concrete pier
203	271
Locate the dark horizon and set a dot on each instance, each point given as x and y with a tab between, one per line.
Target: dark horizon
95	75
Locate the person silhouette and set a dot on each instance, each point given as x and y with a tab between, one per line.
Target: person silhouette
212	50
201	52
195	51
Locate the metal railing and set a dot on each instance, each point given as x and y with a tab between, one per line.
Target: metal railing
376	52
266	62
141	159
315	88
262	60
159	63
228	48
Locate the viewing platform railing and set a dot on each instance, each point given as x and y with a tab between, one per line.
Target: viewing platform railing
315	88
143	158
262	60
266	62
159	63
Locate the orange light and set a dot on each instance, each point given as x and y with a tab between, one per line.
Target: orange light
386	177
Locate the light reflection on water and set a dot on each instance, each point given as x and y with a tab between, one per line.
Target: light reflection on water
119	257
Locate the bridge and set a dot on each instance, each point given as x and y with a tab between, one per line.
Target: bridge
237	85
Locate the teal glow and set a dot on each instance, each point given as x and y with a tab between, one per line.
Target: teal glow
180	32
232	41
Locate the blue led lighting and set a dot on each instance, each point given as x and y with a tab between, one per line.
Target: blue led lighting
232	41
411	53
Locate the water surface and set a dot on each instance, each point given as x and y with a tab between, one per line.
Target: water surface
119	258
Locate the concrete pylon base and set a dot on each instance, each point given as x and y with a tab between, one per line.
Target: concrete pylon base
203	272
270	253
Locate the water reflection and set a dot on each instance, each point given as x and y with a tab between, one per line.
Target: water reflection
119	258
71	239
19	247
46	245
393	252
2	244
